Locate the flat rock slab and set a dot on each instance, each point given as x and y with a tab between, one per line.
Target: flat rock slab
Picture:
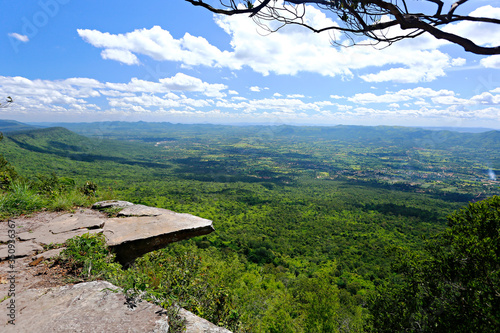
111	204
133	236
195	324
50	253
50	228
79	220
138	230
46	237
85	307
141	210
21	249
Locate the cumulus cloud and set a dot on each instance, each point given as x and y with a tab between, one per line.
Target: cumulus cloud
80	95
186	96
158	44
486	34
19	37
286	52
123	56
369	98
491	62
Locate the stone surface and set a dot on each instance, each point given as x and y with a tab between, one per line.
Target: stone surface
46	237
131	237
55	228
111	204
138	230
141	210
83	219
85	307
22	249
195	324
49	254
4	238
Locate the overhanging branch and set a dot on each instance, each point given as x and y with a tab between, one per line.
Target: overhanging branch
360	17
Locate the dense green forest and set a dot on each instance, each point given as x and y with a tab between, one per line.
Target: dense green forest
308	219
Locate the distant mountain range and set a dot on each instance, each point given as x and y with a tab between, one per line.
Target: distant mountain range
7	126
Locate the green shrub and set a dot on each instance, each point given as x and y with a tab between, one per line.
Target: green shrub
68	200
88	257
21	199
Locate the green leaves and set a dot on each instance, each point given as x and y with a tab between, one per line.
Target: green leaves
453	286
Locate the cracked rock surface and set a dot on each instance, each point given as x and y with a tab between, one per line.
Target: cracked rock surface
45	303
136	230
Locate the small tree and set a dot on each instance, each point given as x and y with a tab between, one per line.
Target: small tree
454	286
362	17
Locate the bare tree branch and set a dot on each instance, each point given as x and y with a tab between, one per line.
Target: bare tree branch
455	6
7	102
359	17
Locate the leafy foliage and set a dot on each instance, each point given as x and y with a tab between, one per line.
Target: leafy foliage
453	286
88	257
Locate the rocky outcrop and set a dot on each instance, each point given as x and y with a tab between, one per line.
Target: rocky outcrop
195	324
95	306
92	307
136	230
45	228
140	229
85	307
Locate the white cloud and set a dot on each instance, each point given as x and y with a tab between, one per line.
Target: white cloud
123	56
179	82
74	95
486	34
255	89
232	92
183	82
159	45
19	37
286	52
491	62
486	98
369	98
448	100
295	96
277	95
458	62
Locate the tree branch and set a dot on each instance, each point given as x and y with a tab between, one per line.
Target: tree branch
361	17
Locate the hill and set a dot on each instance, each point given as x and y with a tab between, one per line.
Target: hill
7	126
57	149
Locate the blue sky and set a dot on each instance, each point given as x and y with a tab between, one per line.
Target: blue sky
67	60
